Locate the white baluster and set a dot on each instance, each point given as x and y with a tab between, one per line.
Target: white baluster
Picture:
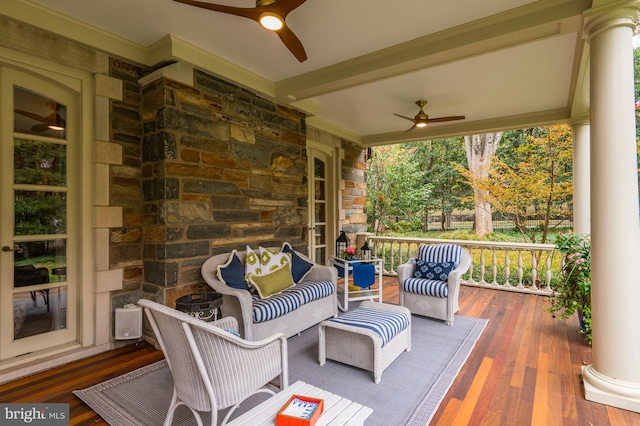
494	261
520	269
548	273
534	271
482	267
470	280
507	269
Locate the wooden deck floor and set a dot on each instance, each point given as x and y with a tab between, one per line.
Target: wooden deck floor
525	370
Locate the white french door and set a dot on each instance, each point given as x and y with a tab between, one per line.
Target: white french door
38	227
322	196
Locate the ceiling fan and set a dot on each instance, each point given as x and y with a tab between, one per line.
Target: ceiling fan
422	119
270	14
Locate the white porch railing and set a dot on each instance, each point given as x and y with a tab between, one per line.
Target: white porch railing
522	267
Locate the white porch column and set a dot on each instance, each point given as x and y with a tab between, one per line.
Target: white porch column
581	178
614	376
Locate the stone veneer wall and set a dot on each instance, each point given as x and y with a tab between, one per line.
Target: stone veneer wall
221	168
354	194
125	182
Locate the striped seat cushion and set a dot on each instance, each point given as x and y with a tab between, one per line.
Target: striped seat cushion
427	287
440	253
384	323
274	306
290	299
308	291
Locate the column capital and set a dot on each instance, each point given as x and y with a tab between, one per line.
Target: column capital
614	14
584	119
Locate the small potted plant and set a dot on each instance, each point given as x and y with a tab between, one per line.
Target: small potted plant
573	293
349	253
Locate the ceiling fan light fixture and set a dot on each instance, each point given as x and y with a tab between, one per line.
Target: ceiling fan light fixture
421	124
56	127
271	21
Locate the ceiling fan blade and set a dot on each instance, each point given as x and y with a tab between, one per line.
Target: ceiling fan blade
406	118
251	13
293	43
441	119
410	128
32	116
280	7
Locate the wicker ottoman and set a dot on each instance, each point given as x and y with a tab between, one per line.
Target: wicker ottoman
370	337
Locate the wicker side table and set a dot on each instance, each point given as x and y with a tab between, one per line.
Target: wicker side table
203	306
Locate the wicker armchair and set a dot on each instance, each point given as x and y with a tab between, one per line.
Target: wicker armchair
212	368
432	297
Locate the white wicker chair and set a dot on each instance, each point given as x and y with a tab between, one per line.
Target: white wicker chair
443	308
212	368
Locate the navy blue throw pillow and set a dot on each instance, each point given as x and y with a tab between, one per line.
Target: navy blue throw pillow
299	266
232	273
433	270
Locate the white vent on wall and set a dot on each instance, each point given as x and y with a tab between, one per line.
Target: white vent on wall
129	322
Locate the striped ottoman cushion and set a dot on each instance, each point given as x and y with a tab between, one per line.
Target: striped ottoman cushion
308	291
427	287
386	324
274	306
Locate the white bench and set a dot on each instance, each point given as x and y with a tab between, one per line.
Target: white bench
351	339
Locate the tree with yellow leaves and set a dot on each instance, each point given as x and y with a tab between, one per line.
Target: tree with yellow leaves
532	187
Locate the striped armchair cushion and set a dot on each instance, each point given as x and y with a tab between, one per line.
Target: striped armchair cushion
427	287
384	323
440	253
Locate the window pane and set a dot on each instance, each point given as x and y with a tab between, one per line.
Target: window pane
40	212
34	114
39	163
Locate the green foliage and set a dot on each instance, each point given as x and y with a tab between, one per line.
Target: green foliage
438	159
40	212
396	187
573	292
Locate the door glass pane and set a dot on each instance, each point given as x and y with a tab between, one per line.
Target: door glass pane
319	234
39	212
39	311
321	254
39	163
320	215
318	168
320	194
35	114
39	262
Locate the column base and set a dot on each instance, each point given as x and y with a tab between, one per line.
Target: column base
605	390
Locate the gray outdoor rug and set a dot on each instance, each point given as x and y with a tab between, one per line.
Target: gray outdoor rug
410	392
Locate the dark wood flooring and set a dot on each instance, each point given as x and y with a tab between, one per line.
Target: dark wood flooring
524	370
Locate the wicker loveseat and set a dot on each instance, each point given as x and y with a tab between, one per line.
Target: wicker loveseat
308	302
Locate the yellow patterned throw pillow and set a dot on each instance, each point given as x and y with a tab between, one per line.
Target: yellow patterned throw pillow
271	260
272	282
252	264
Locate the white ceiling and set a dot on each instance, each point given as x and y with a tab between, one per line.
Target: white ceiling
501	63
